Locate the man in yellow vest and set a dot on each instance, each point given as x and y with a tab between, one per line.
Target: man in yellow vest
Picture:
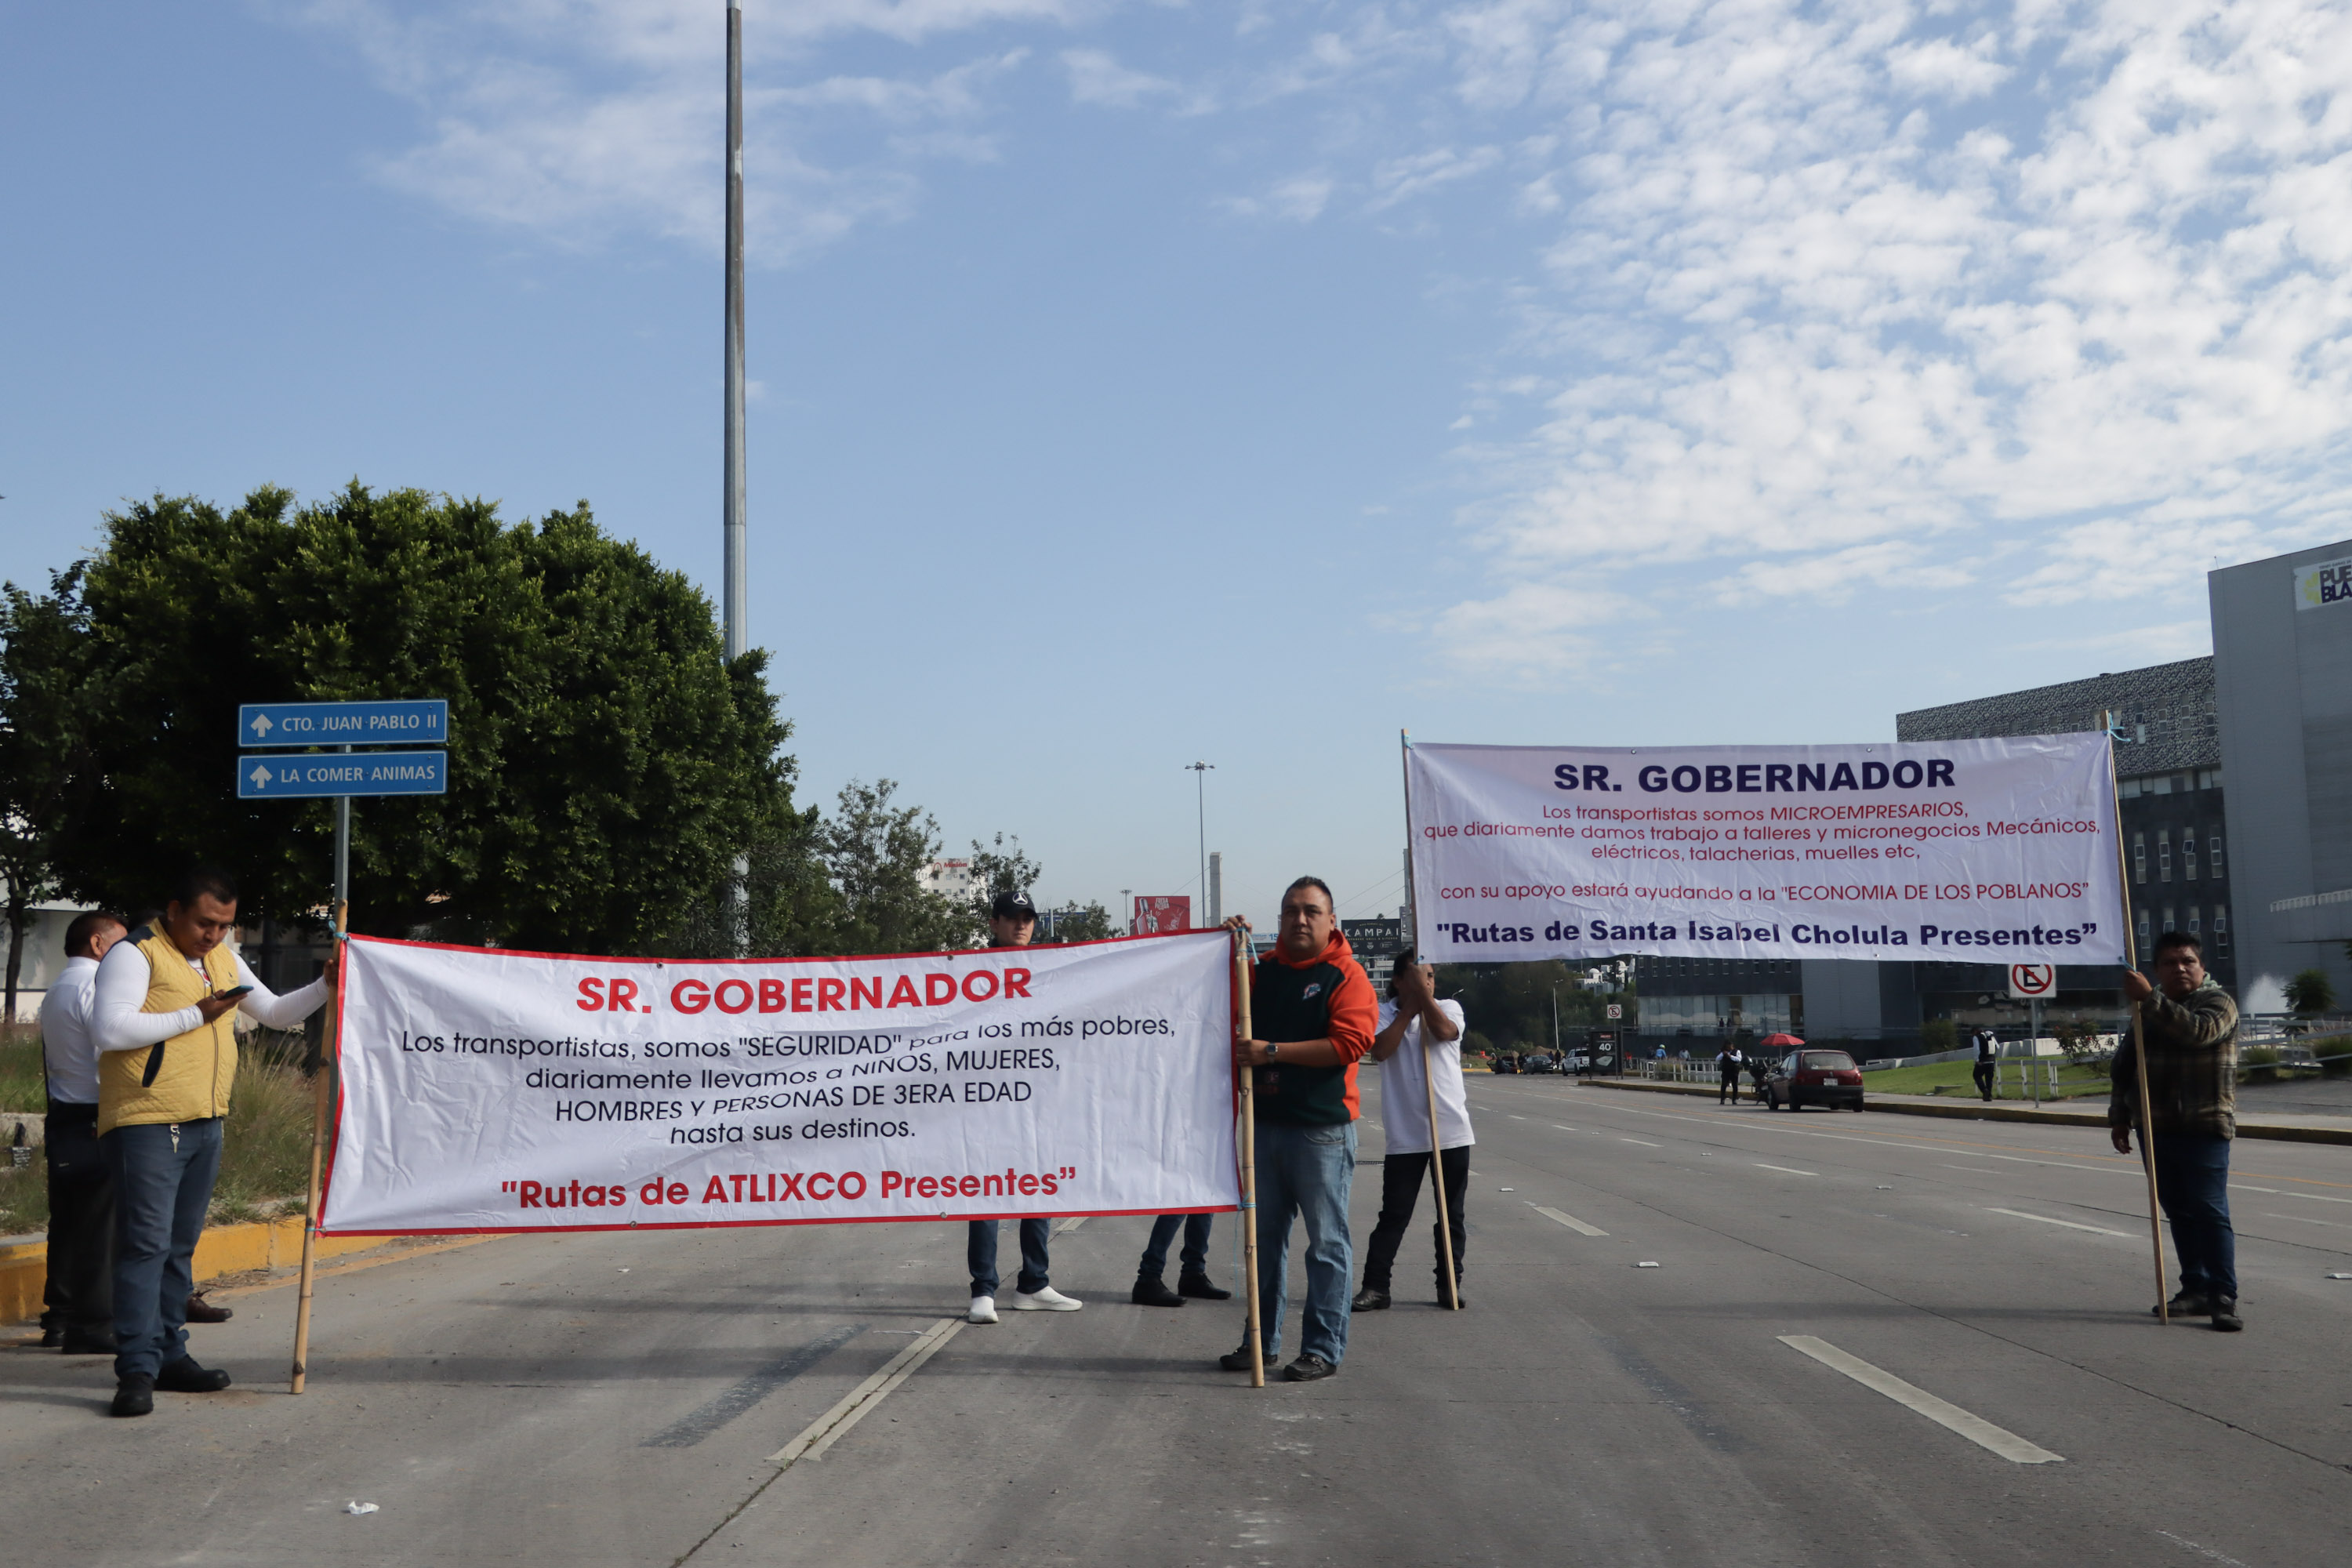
167	1062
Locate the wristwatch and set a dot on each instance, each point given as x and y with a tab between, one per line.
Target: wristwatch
1273	1049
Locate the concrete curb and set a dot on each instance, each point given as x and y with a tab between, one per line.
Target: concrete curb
1980	1111
223	1249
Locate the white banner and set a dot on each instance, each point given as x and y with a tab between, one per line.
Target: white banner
1988	851
485	1090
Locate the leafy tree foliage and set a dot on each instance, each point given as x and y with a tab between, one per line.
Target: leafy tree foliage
607	763
2309	992
48	688
1513	1002
876	853
997	870
1074	922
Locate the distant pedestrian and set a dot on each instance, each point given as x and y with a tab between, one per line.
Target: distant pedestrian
77	1302
2191	1026
1314	1012
168	1063
1988	1046
1727	1063
1012	922
1419	1046
1757	1065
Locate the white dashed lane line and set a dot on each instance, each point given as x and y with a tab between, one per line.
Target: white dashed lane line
1644	1142
1944	1414
2045	1219
1568	1220
1789	1170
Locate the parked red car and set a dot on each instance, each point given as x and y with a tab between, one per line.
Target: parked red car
1815	1077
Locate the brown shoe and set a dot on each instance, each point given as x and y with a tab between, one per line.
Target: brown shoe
203	1311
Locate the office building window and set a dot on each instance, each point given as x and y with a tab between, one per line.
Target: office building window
2188	853
2221	927
2164	854
2167	919
2193	929
2130	789
2145	952
2139	856
2161	784
2214	842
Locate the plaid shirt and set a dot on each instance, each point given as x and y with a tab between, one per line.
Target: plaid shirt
2192	1066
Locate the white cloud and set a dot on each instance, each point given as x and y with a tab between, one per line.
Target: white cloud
1097	79
1301	198
1534	631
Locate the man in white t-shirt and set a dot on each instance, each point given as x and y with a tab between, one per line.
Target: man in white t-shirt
1420	1041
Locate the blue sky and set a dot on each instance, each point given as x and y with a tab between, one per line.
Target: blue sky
1137	383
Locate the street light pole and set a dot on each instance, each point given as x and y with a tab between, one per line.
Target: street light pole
731	589
1201	775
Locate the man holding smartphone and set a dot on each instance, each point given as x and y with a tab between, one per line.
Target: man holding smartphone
167	1062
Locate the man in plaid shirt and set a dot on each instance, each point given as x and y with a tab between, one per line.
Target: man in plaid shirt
2191	1026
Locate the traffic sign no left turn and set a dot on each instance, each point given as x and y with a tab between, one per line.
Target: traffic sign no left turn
2032	982
414	723
343	773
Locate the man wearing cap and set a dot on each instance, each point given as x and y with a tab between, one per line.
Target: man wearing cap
1012	922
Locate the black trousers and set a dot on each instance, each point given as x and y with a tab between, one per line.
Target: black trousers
79	1293
1984	1079
1401	1179
1727	1087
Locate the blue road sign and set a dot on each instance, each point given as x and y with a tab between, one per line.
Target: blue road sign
343	773
425	723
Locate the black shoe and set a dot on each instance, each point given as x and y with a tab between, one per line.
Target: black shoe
1370	1301
51	1338
2225	1315
92	1341
200	1311
1153	1293
133	1396
2187	1304
1236	1361
184	1376
1198	1285
1307	1369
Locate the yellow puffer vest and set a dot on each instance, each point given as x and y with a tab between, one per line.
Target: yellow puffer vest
188	1076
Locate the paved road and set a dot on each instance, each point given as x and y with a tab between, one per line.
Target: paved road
594	1400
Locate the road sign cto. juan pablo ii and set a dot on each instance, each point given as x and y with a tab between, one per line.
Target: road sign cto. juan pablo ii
338	772
414	723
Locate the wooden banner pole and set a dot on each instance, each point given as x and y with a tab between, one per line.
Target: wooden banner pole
320	1088
1249	1163
1452	1300
2139	1042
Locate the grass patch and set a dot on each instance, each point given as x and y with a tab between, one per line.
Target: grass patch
20	1069
1949	1077
265	1149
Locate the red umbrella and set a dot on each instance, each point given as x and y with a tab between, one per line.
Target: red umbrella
1779	1040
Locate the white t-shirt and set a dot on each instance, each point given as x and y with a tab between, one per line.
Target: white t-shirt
1404	1101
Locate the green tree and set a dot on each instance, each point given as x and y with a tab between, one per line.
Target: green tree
2309	992
1077	922
996	870
49	696
607	763
1514	1001
876	854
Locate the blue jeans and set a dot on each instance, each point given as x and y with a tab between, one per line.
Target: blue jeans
162	1185
2192	1183
979	1256
1308	1172
1195	1227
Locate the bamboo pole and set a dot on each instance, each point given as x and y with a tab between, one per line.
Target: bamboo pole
1248	1075
1452	1300
2139	1042
328	1058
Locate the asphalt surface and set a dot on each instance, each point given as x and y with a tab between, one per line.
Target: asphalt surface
614	1399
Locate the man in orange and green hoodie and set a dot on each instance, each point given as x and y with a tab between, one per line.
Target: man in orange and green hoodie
1312	1007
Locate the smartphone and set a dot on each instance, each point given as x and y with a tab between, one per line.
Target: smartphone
233	995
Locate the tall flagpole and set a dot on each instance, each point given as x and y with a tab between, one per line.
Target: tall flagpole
734	528
2139	1042
1453	1300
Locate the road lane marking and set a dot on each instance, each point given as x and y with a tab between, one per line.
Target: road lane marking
2316	1198
1068	1225
829	1428
1568	1220
1792	1170
1979	1170
698	1423
2045	1219
2306	1219
1644	1142
1558	1128
1944	1414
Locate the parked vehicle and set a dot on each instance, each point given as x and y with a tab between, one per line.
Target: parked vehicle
1540	1061
1507	1062
1815	1077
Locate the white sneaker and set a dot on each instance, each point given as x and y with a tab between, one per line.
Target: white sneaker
983	1310
1045	1301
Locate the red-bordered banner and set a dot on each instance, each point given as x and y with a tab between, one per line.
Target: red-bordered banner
485	1090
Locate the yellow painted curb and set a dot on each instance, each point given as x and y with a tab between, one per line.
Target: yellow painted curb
223	1249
